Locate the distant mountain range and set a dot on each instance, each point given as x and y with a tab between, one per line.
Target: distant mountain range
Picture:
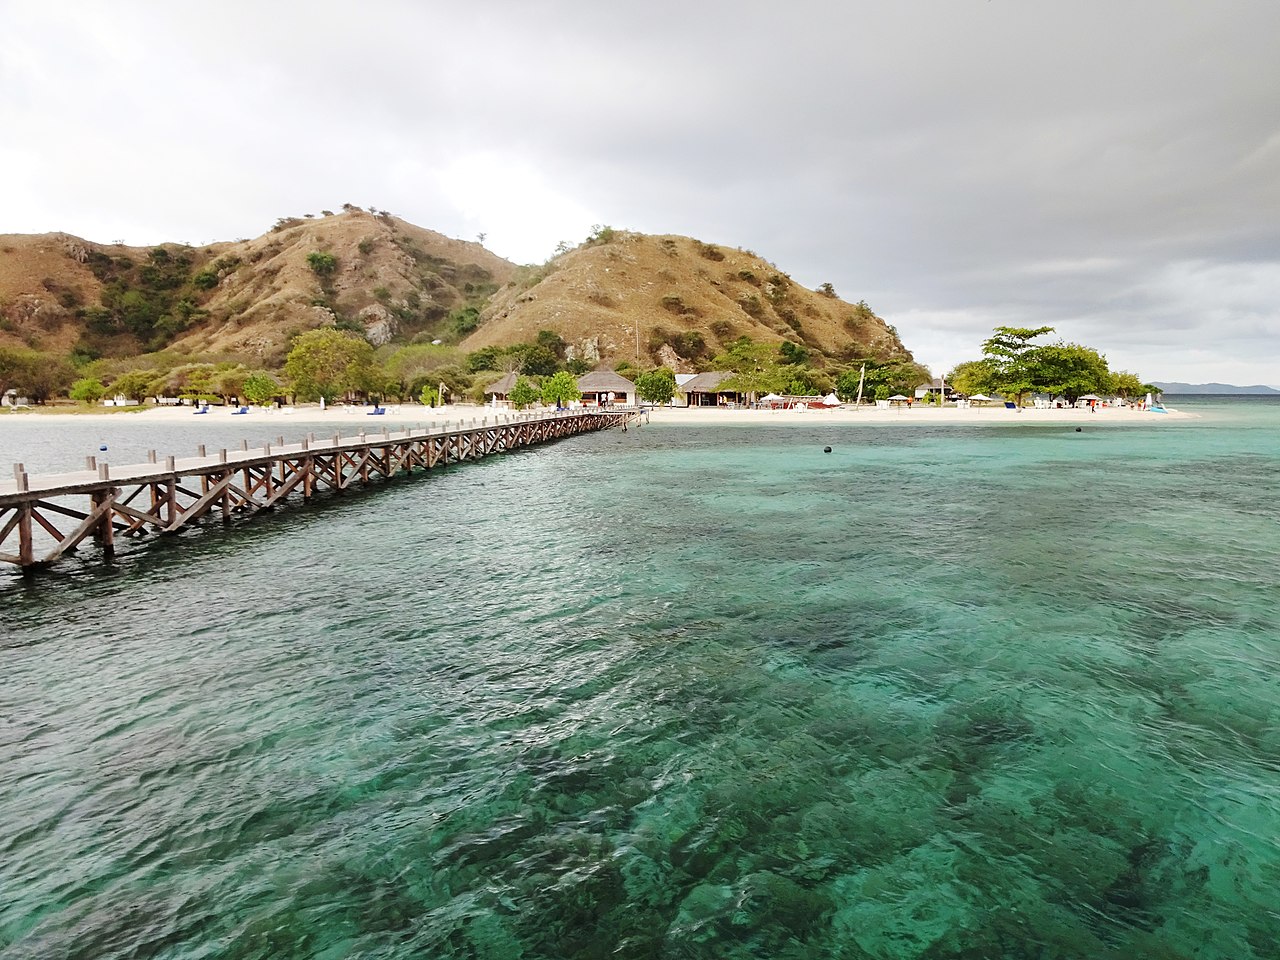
1212	388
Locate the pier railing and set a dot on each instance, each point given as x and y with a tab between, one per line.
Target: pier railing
44	517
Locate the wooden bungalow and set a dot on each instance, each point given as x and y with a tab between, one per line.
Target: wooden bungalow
704	391
601	388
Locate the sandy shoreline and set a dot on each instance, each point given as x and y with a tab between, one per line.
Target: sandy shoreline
675	416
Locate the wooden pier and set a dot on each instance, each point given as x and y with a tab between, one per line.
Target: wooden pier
43	518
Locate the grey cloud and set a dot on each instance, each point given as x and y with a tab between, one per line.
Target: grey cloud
1110	169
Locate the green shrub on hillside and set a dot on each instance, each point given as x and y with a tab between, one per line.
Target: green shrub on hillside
322	264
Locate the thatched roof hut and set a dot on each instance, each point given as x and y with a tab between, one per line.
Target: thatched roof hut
502	387
704	390
598	384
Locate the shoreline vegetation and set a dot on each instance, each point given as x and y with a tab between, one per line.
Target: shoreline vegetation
666	416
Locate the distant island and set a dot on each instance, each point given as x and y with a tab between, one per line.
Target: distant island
1211	388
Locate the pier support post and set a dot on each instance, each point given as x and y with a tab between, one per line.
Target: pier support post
104	534
26	547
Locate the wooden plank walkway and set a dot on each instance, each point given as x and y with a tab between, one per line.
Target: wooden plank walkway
44	517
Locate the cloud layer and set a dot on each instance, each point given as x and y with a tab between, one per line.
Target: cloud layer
1107	169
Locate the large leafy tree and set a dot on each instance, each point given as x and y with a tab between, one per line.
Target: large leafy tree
1125	384
412	367
328	363
1010	353
87	390
14	362
754	368
560	388
44	375
656	386
1068	370
972	376
261	388
524	392
135	384
882	379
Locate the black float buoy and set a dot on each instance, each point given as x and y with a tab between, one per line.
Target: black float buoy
1078	429
826	449
103	447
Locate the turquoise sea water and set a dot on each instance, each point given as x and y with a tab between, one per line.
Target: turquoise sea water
679	692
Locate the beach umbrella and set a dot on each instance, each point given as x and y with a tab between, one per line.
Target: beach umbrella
770	396
831	400
897	396
979	396
1091	396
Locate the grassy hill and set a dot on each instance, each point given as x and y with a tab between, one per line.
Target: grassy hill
370	272
619	296
675	300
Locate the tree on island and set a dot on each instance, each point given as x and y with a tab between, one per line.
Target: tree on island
754	368
1069	370
656	386
1125	384
881	379
329	363
524	392
560	388
1013	366
1010	354
36	375
135	384
88	390
261	388
971	377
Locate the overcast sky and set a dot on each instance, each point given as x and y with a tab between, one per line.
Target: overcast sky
1111	169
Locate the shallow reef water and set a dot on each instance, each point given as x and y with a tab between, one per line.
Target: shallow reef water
942	693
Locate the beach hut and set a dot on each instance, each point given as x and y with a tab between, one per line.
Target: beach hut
499	391
605	388
704	390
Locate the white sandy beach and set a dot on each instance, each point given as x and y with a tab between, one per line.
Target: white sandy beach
357	416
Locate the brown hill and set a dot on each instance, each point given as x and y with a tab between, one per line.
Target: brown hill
619	296
390	278
386	277
676	300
